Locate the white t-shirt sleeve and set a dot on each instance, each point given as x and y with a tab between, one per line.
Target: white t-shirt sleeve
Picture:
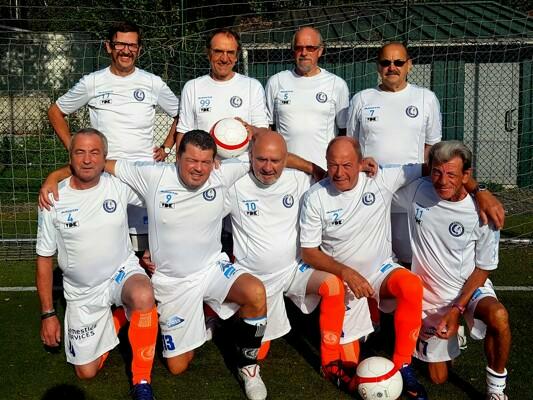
270	94
167	100
487	248
434	122
397	177
76	97
404	196
186	109
354	116
46	233
232	169
342	104
258	109
310	222
135	174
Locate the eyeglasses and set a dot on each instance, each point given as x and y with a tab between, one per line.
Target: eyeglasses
309	49
387	63
228	53
123	45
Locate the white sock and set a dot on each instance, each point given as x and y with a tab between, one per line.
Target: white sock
496	382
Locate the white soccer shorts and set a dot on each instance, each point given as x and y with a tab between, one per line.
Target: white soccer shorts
89	328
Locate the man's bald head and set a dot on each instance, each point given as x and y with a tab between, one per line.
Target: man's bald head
344	162
268	156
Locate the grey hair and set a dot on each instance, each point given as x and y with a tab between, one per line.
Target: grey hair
89	131
443	152
320	39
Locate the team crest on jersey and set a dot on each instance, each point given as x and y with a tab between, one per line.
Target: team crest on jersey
411	111
210	194
456	229
369	198
288	200
321	97
235	101
110	205
139	95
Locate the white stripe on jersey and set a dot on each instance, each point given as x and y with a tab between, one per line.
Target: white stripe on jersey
393	127
265	221
448	241
122	108
205	101
184	225
89	230
354	226
307	111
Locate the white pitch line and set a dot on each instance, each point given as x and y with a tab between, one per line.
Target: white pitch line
33	288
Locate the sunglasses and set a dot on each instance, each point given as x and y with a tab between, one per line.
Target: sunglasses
309	49
387	63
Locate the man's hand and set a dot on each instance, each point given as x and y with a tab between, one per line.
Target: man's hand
249	128
449	324
51	331
159	154
490	208
357	283
49	186
370	166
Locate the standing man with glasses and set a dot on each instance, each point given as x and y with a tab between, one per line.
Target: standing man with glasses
122	100
308	105
223	93
396	123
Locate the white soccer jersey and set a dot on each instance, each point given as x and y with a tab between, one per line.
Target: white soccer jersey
184	225
265	221
448	241
204	101
89	230
393	127
307	111
353	226
123	108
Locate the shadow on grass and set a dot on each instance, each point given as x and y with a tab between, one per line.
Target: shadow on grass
64	392
465	386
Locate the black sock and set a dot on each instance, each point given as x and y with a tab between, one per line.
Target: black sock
248	336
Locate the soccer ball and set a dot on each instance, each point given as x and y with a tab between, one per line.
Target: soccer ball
231	137
378	379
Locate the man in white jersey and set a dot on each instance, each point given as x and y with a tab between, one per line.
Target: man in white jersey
345	230
307	105
396	123
264	207
122	100
92	209
223	93
453	253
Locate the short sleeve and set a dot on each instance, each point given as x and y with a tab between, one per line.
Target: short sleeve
396	177
487	247
76	97
404	196
167	100
434	121
186	109
232	169
46	233
310	221
258	110
354	116
135	174
270	94
342	104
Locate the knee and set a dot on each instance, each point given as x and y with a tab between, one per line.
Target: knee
140	299
179	364
254	293
438	373
332	285
86	371
410	286
498	318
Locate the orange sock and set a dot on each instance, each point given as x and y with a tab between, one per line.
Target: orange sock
350	352
374	311
119	318
407	288
263	350
142	335
332	310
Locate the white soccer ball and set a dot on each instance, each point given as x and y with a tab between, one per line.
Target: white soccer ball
378	379
231	137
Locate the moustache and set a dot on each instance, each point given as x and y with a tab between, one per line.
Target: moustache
125	55
392	73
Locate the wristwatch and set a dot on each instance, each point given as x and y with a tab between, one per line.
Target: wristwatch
167	150
481	187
